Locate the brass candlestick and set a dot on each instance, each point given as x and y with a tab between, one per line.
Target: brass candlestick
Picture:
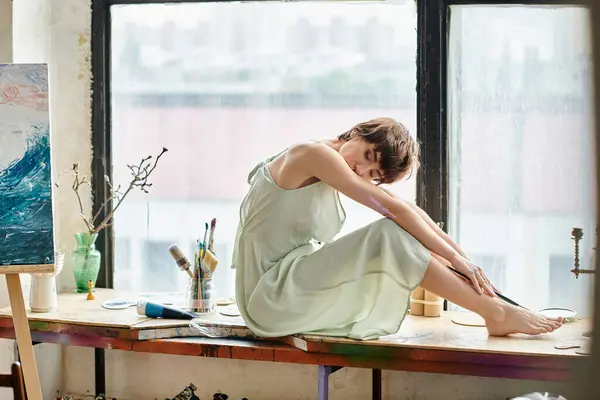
577	235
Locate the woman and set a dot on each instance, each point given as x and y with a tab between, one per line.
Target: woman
359	285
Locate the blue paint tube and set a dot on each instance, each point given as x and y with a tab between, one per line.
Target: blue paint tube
155	310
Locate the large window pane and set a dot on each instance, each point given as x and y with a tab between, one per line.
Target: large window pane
520	127
224	85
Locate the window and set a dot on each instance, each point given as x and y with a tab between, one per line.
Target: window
567	291
123	252
225	85
157	271
520	129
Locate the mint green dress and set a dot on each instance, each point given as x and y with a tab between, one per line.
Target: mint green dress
293	277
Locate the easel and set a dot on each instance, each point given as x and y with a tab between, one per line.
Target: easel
21	76
21	324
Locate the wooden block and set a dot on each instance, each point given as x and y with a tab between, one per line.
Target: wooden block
417	308
431	310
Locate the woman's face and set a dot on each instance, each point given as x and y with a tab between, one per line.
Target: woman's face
361	157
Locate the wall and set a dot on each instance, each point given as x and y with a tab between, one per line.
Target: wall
6	346
5	31
6	56
54	32
57	31
65	35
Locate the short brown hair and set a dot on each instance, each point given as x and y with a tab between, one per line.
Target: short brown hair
399	154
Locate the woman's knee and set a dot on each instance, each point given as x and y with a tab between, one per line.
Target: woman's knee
387	228
385	225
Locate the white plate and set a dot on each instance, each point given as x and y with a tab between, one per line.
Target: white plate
118	304
121	304
554	312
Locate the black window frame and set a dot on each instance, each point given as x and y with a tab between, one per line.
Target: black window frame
433	18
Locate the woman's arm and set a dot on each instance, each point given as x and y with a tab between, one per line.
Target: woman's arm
324	163
321	161
430	222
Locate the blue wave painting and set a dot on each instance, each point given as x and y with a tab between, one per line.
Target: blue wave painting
26	220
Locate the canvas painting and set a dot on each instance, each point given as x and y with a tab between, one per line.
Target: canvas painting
26	220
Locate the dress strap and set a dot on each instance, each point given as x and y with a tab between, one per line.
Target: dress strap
252	174
257	167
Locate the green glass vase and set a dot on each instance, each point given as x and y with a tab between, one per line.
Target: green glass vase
85	260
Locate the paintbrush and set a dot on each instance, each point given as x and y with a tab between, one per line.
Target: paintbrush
194	286
209	263
204	241
201	287
180	259
514	303
211	241
199	274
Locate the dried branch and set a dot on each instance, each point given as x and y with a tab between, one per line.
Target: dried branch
77	183
140	174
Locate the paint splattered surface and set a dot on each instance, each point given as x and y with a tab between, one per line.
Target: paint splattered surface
26	229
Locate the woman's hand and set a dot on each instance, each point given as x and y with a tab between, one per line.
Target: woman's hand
478	279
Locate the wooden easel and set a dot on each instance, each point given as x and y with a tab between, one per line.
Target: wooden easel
21	324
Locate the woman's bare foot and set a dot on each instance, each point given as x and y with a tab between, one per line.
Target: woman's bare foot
510	319
500	317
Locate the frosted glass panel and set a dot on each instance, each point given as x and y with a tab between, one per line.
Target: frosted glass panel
521	160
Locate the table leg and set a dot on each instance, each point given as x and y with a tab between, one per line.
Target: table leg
324	372
376	384
100	371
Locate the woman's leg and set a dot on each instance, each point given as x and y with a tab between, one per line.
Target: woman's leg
500	317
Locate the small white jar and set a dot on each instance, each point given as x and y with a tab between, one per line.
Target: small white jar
42	293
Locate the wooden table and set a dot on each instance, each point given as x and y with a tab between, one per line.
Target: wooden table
434	345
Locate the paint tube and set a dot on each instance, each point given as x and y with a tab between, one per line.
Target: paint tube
155	310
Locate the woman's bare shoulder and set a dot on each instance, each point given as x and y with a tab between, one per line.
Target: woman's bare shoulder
291	169
305	148
303	152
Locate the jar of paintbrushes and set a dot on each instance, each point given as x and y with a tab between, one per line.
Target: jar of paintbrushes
202	296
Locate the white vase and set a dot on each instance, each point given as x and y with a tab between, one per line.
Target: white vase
42	295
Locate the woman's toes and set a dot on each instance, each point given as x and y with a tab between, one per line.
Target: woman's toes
556	323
